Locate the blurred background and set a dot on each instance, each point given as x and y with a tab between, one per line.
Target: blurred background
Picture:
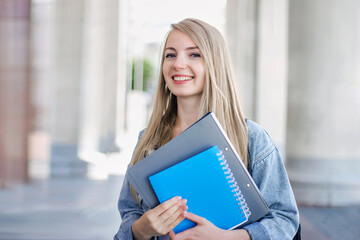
77	80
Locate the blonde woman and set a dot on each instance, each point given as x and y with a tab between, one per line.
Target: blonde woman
196	78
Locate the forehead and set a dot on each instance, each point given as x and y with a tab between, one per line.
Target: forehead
178	39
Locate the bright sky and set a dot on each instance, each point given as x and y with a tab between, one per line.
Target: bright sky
152	18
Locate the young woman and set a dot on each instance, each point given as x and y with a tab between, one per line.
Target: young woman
197	78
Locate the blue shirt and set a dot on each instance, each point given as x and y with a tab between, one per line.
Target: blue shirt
269	174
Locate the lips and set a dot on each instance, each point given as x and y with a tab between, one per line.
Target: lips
180	79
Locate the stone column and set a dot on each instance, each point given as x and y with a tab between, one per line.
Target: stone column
272	60
99	84
68	37
323	131
42	90
241	36
111	77
124	73
15	111
257	37
92	78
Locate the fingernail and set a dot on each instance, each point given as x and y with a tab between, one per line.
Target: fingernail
184	201
178	197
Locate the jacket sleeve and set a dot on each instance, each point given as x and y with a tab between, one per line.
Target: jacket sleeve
130	211
269	174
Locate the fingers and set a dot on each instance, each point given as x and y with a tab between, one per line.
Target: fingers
176	218
174	215
163	218
174	211
167	204
195	218
172	235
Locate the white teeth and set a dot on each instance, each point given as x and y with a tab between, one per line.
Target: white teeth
182	78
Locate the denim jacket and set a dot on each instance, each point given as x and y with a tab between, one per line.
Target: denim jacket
269	174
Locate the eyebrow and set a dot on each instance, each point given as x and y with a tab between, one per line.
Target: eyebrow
189	48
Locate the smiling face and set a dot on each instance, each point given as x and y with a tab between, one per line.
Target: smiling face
183	66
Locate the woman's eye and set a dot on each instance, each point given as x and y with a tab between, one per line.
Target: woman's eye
169	55
196	55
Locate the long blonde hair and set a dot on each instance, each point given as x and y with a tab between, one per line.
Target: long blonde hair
219	95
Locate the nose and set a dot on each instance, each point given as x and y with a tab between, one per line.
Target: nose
180	62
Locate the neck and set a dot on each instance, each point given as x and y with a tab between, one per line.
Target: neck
188	113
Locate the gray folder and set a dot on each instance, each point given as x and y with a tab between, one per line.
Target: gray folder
205	133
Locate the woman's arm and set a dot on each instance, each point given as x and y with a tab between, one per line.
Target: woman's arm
283	219
160	220
269	174
206	230
130	211
138	224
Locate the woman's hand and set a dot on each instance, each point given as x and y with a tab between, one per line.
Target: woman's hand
160	220
207	230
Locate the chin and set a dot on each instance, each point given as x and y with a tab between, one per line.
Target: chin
186	95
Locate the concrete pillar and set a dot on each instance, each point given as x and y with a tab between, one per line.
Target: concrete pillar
111	77
257	35
15	106
68	38
99	84
323	131
42	90
92	77
272	66
124	74
241	36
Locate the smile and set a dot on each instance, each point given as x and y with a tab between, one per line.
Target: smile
182	78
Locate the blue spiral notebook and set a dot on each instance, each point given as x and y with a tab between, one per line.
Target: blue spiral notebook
202	135
206	181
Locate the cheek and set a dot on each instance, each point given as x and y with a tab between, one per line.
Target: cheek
165	72
203	78
202	72
165	69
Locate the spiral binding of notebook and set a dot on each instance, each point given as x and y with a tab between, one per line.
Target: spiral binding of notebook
234	185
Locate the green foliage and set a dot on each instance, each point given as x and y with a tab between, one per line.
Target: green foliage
148	71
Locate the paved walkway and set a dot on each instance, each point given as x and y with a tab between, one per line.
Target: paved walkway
60	209
81	209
